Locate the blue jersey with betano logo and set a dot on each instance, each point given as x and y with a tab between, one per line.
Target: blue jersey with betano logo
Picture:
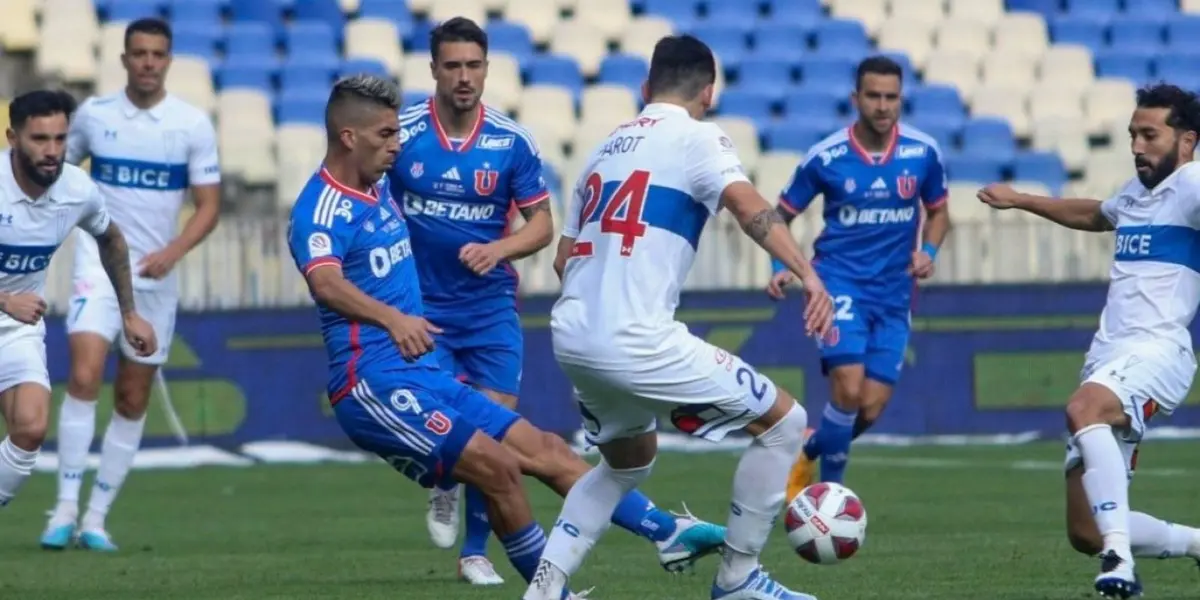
366	235
456	192
871	213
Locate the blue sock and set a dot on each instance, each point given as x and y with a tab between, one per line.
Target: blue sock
636	513
836	433
478	529
524	549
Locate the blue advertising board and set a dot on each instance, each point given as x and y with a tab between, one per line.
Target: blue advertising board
981	360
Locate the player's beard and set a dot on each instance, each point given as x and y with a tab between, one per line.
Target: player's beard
1166	166
33	172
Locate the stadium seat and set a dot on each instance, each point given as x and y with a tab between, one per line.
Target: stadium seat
954	70
376	39
324	11
1046	8
512	39
831	72
627	70
1008	103
194	13
247	74
1179	68
642	34
444	10
842	37
1164	8
988	12
754	105
804	13
1071	29
1125	65
191	79
1043	167
730	43
503	88
197	41
782	42
1067	65
943	128
607	103
258	11
931	12
871	13
773	171
608	17
911	37
795	135
936	99
681	12
1108	103
540	16
964	37
68	20
302	109
1021	34
249	39
766	75
581	41
310	40
1100	8
552	106
18	28
1009	69
556	70
811	104
132	10
989	136
1189	7
1067	137
395	11
1137	33
975	167
415	76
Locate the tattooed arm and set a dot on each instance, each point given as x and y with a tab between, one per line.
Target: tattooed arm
765	226
537	233
114	255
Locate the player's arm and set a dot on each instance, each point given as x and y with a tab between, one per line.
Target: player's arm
114	251
1075	213
935	194
529	193
796	196
204	179
572	223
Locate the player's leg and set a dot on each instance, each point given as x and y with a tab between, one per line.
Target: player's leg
1149	536
843	357
25	406
884	361
93	320
1116	399
441	518
123	437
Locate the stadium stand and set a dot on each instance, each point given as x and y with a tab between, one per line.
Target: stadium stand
1033	91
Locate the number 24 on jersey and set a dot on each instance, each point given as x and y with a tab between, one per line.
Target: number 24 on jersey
622	211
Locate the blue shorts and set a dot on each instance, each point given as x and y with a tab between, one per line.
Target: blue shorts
419	420
865	332
488	351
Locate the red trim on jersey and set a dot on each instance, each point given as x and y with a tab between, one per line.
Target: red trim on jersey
444	139
322	261
938	203
371	197
351	367
788	206
532	200
866	156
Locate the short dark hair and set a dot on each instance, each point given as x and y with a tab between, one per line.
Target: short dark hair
877	65
458	29
149	26
681	65
357	91
1184	106
39	103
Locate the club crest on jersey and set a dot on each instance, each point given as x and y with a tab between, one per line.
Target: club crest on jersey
906	186
417	169
850	186
486	181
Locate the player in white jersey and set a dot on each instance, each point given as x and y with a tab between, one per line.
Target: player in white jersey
626	249
41	201
147	148
1141	361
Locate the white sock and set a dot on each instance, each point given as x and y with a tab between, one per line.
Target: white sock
15	466
1152	537
76	428
586	515
1106	483
759	490
121	442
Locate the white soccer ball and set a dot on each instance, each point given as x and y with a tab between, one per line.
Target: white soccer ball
826	523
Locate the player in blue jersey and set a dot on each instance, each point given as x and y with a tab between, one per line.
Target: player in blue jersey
876	176
462	165
351	242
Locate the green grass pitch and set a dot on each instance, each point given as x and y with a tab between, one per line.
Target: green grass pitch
945	524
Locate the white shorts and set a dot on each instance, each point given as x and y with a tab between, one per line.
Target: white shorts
23	358
702	390
94	309
1149	379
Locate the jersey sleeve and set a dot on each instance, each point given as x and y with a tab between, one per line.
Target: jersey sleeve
204	165
935	189
571	224
712	165
316	241
95	218
528	186
78	147
804	185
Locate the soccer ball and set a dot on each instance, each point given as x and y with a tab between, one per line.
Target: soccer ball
826	523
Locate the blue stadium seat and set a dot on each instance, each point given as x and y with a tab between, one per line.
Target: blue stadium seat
785	42
681	12
1070	29
804	13
976	167
795	135
989	136
1183	31
831	71
733	11
395	11
623	69
1047	8
257	11
1165	8
131	10
934	99
551	69
1182	69
310	38
255	75
1123	63
811	104
765	74
327	11
1043	167
249	39
909	78
842	36
729	43
1093	7
751	104
302	74
370	66
513	39
306	109
943	129
195	12
1135	32
417	38
191	40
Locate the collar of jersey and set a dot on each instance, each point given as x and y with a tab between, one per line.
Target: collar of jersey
10	180
884	156
131	110
346	190
665	107
444	138
1169	182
